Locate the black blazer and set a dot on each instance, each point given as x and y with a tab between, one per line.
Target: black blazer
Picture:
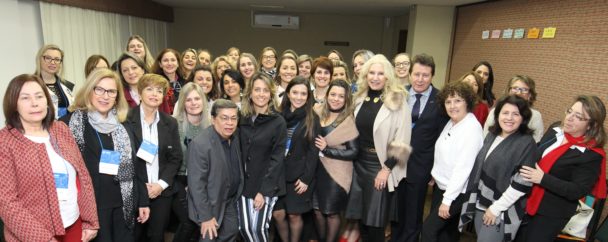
572	177
263	150
303	156
169	149
424	135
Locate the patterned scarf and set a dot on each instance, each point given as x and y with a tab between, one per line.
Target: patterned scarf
122	144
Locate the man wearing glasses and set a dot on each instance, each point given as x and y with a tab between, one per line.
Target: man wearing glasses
215	175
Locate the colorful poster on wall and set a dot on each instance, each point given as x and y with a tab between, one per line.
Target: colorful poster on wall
485	34
519	33
507	33
496	34
533	33
549	32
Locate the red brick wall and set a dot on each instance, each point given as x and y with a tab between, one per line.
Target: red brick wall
574	62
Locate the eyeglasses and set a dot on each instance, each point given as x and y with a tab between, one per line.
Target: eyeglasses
268	57
51	60
402	64
577	115
225	119
522	90
100	91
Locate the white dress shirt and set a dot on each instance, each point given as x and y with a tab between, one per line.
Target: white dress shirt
149	132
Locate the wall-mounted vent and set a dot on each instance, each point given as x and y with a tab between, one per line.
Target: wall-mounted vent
274	21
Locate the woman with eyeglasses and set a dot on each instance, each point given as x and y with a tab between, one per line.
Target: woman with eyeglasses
268	58
46	192
157	145
402	67
49	69
573	165
106	147
524	87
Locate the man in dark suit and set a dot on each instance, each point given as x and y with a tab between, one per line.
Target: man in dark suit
215	175
427	124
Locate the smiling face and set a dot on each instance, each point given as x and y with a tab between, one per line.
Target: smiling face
137	48
152	96
321	77
234	55
484	72
104	103
225	122
51	61
333	56
456	107
576	121
520	89
339	73
336	97
260	94
204	58
287	70
297	96
375	77
169	63
193	103
130	71
421	77
205	80
269	60
402	66
221	67
32	104
189	60
304	69
231	87
509	119
246	67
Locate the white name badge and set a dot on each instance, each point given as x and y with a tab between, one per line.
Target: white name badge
61	184
147	151
109	162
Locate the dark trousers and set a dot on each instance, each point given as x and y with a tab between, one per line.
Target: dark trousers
371	234
410	206
187	230
112	226
436	228
229	227
540	228
154	229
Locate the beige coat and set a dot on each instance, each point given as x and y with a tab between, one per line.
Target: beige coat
392	134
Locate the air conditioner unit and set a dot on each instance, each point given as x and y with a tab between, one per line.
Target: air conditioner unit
275	21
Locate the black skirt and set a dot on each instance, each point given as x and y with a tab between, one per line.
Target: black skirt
294	203
365	203
329	197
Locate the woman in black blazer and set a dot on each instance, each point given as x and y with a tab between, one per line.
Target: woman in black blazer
158	147
263	134
573	165
301	159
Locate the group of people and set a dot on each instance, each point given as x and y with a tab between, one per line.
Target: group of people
228	146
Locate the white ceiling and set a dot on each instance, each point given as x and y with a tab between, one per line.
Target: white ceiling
358	7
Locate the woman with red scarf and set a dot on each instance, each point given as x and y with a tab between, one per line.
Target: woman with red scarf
573	165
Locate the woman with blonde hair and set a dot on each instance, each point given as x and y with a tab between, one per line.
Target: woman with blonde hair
341	71
233	54
49	68
359	58
384	122
204	57
219	66
137	45
263	135
192	115
106	147
402	64
248	66
304	65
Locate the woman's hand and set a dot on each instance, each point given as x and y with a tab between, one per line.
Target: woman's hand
301	187
444	211
534	175
489	218
381	178
258	202
144	214
154	190
88	234
320	143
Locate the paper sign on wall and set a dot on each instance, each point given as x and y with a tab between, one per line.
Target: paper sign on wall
496	34
549	33
519	33
485	34
507	33
533	33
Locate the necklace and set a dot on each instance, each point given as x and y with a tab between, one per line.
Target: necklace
376	99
